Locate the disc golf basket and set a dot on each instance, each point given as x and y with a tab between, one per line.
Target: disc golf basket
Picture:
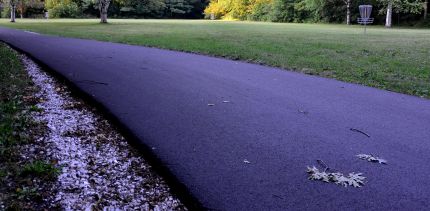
365	19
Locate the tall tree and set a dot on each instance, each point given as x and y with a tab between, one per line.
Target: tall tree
425	7
389	17
21	7
348	11
12	4
103	7
400	6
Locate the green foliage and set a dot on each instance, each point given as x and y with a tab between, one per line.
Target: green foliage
132	8
261	11
266	10
403	6
284	11
20	181
13	80
304	10
178	7
184	8
5	8
49	4
139	8
5	12
218	8
65	10
40	169
12	122
24	8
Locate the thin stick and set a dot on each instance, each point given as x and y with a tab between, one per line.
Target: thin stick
92	82
321	162
359	131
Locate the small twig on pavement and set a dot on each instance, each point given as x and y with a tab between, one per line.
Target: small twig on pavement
325	166
302	111
359	131
92	82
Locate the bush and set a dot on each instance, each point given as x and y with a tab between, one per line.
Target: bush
282	11
63	10
5	13
261	11
423	23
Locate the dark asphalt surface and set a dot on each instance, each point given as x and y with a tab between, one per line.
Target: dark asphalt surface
162	97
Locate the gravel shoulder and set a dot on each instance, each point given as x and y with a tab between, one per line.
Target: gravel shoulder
96	167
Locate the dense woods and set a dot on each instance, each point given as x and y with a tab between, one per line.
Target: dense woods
388	12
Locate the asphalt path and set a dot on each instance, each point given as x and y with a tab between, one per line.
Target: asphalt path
239	136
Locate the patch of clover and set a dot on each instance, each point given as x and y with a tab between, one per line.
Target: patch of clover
353	179
372	159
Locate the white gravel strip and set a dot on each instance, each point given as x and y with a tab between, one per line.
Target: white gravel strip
99	170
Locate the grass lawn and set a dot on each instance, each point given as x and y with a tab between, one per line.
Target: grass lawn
392	59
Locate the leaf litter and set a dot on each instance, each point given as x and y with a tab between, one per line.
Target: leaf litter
372	159
330	175
352	179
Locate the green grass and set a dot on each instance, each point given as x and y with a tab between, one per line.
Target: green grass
40	169
13	84
19	179
392	59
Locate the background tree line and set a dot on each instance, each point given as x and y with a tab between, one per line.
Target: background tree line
116	8
410	12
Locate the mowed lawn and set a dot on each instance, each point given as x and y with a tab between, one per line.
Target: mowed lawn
392	59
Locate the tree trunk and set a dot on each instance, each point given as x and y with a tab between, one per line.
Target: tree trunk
20	9
425	5
103	17
348	12
388	19
104	5
12	13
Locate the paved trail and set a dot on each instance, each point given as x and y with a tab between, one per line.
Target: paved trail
279	121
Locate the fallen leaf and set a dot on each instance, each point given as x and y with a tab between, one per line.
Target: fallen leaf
353	179
302	111
372	159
